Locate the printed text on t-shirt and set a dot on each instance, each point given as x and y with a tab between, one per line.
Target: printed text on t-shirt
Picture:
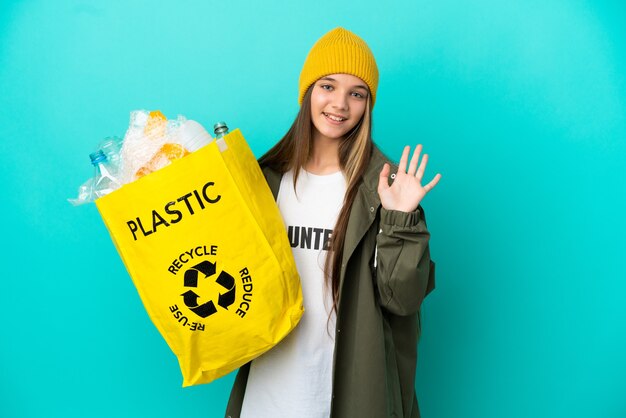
309	238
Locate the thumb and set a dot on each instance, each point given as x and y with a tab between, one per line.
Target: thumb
383	182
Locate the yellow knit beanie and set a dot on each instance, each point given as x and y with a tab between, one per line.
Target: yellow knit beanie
339	51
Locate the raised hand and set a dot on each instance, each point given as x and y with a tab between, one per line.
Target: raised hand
406	191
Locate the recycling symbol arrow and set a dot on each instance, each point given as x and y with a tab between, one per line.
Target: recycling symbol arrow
190	298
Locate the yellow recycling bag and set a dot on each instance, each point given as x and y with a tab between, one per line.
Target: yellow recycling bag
205	245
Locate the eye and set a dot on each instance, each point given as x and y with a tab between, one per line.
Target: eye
358	95
326	87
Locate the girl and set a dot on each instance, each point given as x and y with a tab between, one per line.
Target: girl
360	243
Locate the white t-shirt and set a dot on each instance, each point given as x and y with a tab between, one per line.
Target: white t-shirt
294	379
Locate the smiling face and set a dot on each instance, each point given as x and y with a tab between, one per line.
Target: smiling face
337	105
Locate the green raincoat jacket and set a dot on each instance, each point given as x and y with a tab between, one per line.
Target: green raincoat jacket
378	316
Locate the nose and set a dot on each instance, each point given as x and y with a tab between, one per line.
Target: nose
340	101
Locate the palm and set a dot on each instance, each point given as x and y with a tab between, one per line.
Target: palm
406	191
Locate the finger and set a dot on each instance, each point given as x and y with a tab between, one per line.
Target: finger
414	160
432	183
404	159
422	167
383	182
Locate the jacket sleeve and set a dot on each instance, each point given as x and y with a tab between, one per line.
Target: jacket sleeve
404	271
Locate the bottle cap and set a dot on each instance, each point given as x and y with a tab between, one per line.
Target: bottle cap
220	127
97	157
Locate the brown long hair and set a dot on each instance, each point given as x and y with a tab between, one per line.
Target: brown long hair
294	150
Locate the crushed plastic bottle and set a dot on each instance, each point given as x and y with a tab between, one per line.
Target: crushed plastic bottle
104	179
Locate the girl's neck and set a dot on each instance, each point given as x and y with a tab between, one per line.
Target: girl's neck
324	157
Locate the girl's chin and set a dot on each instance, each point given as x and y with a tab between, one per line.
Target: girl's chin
329	133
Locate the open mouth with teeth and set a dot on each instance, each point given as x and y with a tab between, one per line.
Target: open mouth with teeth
334	118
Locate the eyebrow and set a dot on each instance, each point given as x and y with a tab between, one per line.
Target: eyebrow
358	86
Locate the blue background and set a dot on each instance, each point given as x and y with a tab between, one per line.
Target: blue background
520	104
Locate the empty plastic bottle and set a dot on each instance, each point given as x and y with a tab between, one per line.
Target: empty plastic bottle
105	178
193	136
